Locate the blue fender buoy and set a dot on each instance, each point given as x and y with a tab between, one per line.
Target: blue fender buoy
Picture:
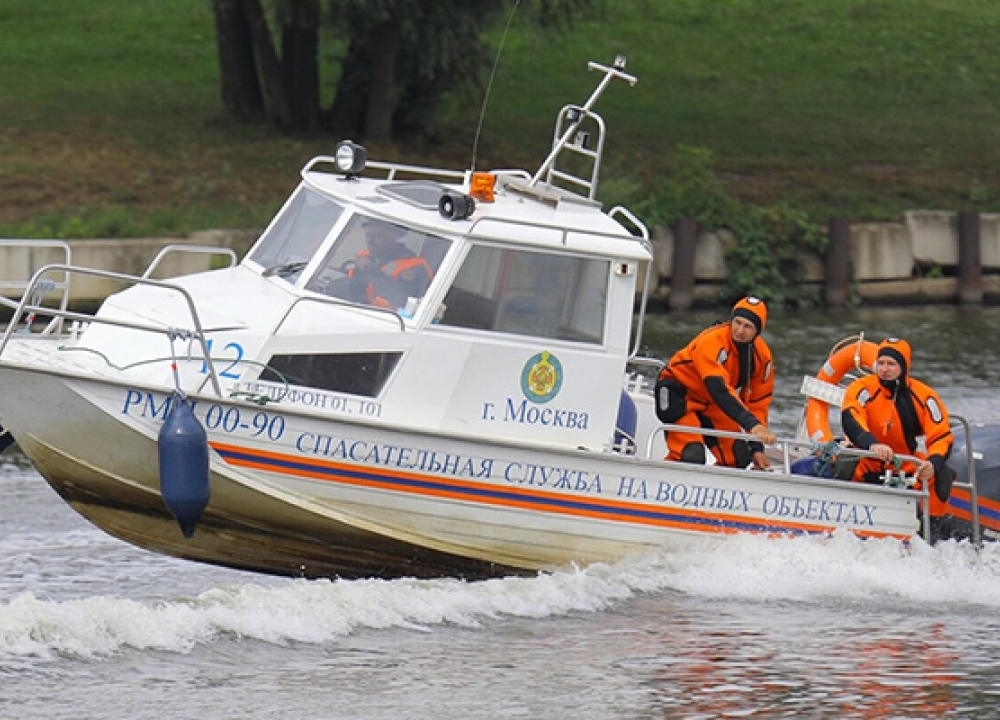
183	451
6	439
626	423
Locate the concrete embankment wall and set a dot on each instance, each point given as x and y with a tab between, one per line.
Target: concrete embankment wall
913	261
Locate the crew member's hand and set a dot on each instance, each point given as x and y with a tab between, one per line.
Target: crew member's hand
925	471
761	461
763	434
882	452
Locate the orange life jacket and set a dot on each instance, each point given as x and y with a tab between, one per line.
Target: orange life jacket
411	270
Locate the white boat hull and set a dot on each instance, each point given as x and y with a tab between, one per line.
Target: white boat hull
299	494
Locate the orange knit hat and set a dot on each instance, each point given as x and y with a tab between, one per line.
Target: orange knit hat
752	309
898	350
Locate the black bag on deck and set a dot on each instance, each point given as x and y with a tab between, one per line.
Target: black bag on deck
671	400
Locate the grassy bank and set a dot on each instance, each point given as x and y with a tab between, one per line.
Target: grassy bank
111	123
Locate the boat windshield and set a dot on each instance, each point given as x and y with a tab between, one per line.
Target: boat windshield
297	233
378	263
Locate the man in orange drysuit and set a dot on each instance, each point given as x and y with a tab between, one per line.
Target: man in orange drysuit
890	412
722	379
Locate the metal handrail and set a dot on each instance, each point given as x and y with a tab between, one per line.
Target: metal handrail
575	115
559	142
23	306
783	443
564	232
338	302
56	323
786	443
203	249
656	364
972	485
390	169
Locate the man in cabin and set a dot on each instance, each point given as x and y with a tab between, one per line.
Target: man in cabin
889	412
723	379
385	272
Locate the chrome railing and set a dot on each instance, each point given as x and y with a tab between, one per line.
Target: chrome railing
971	485
347	304
192	249
21	286
27	306
902	481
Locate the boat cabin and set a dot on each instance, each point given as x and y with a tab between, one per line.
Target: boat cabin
405	299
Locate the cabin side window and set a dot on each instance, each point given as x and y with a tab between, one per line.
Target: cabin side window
295	236
353	373
533	293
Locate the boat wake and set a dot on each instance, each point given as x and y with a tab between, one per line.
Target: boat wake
841	570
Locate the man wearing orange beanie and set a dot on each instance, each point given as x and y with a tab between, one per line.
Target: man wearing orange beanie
723	379
889	412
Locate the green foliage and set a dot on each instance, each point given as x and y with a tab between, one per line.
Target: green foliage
772	243
112	221
769	257
856	108
853	108
692	190
934	271
121	221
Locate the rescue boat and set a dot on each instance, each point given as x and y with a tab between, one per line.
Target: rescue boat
473	406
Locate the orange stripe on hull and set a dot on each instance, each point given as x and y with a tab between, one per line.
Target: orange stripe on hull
520	498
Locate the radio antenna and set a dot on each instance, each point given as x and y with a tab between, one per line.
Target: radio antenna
489	85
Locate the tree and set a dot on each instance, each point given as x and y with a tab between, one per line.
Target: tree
272	79
404	55
241	96
256	83
401	58
300	62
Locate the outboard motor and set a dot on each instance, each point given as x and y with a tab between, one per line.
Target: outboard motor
986	444
183	451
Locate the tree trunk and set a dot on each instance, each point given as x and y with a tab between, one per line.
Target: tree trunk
382	84
346	116
270	68
300	62
240	86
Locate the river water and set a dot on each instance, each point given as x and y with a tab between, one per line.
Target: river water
740	627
